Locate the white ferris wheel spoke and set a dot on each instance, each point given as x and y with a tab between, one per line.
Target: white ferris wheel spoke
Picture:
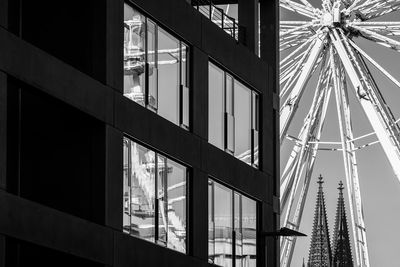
322	82
375	107
295	40
304	155
298	30
383	27
298	8
378	38
356	5
349	159
376	64
289	173
294	70
290	107
378	8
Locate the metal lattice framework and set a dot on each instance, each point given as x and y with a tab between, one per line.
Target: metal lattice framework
323	44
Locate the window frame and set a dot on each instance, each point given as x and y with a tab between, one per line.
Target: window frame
188	175
214	182
184	84
255	107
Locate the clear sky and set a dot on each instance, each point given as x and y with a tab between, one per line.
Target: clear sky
380	188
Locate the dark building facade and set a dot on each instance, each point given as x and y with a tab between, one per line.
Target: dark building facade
138	133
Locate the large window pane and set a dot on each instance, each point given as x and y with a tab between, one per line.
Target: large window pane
238	229
152	64
156	69
168	74
211	225
216	106
255	127
232	223
185	84
142	192
249	226
176	191
162	171
127	187
233	119
154	197
230	114
223	225
242	122
134	55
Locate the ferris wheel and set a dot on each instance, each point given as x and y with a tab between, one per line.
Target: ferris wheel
322	45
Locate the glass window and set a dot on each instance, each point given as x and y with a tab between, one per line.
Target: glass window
154	197
230	114
134	55
255	105
156	69
232	220
152	65
176	189
168	80
233	118
139	191
249	232
242	122
223	225
216	106
185	85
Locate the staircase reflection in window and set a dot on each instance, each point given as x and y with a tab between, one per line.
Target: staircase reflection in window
154	197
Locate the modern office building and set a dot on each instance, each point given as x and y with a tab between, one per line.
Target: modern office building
138	133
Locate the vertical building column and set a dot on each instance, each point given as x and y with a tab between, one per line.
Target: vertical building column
198	214
269	48
114	178
3	130
248	23
114	44
199	96
198	224
3	142
4	13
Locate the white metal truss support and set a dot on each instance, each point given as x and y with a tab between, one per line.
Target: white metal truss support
289	173
289	108
288	243
377	111
350	162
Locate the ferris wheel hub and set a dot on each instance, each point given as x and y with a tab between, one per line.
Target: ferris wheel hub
332	18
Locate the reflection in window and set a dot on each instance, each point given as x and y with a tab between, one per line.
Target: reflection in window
154	197
168	79
232	231
216	84
233	116
243	122
155	68
134	55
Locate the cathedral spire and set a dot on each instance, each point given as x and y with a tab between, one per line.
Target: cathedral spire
341	241
320	249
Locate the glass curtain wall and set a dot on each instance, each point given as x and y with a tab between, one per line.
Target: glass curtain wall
156	66
232	231
154	197
233	116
